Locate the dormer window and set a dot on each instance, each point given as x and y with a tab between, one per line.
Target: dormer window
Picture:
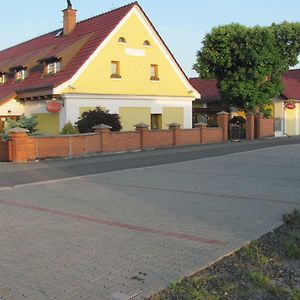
52	65
20	72
146	43
122	40
2	78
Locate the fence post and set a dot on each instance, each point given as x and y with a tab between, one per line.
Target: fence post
201	126
175	127
143	129
104	131
19	143
223	122
250	126
258	125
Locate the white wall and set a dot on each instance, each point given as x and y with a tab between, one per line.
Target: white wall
73	102
12	107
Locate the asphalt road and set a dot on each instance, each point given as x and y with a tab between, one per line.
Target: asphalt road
16	174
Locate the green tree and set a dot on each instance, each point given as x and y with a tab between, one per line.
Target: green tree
91	118
248	62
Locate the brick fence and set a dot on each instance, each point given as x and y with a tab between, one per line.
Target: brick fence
257	127
23	147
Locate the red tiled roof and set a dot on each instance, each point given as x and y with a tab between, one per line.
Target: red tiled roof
291	88
293	74
86	37
207	89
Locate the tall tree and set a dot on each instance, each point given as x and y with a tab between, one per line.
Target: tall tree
248	62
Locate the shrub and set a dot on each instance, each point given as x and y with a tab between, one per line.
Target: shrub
292	219
28	123
292	249
69	129
95	117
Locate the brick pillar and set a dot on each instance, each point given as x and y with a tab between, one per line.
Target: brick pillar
175	127
19	143
258	125
104	132
143	129
201	126
223	123
250	126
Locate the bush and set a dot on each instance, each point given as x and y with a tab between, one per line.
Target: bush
69	129
292	219
95	117
23	122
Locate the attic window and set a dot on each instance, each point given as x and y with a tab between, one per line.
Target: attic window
115	70
53	67
20	75
122	40
154	73
146	43
20	72
2	78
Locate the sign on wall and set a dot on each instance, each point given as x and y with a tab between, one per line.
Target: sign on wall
290	105
53	107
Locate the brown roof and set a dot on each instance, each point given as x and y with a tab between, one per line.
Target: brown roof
74	49
209	91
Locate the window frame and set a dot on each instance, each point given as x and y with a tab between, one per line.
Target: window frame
154	75
56	65
20	74
122	40
117	73
2	78
146	43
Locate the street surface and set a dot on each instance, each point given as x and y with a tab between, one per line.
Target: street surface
124	226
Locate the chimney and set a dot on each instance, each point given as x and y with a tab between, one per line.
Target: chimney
69	19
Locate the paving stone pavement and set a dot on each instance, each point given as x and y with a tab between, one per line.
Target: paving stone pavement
127	234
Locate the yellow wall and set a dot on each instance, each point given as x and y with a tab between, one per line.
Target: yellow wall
290	115
171	115
84	109
135	70
131	116
48	123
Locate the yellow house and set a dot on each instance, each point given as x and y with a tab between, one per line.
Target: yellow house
116	61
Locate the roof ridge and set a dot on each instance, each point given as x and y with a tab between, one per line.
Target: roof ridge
59	29
109	11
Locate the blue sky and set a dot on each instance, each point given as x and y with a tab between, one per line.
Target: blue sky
182	24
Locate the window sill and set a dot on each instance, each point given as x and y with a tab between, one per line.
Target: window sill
115	76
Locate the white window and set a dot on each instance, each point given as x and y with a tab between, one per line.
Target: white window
2	78
53	67
20	74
